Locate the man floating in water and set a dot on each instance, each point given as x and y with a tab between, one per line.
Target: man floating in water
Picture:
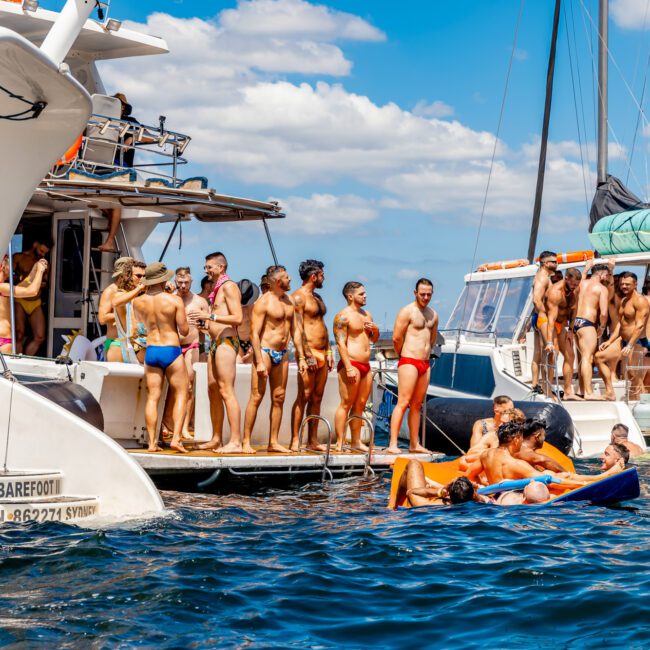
620	433
414	334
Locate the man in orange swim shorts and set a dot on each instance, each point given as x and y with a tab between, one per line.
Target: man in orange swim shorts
539	321
310	314
414	334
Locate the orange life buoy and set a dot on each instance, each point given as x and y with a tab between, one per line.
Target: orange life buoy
572	257
499	266
71	153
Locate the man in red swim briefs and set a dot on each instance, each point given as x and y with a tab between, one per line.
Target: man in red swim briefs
354	330
414	334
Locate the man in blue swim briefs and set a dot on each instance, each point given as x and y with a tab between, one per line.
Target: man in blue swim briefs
274	322
631	330
164	317
591	317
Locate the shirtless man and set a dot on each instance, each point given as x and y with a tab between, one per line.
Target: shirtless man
310	312
631	330
206	287
222	320
534	492
590	320
164	317
28	288
534	437
274	323
620	434
190	344
354	331
414	334
613	461
561	301
422	491
250	292
105	313
541	284
30	308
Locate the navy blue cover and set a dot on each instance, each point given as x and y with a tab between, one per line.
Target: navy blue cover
615	488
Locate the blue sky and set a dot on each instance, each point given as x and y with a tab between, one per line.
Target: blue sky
373	123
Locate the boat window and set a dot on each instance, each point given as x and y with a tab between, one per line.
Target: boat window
472	373
72	265
491	308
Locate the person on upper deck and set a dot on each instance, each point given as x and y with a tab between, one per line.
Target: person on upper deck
354	331
620	433
414	335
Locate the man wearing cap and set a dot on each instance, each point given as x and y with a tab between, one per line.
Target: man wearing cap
105	313
250	292
222	321
310	314
164	317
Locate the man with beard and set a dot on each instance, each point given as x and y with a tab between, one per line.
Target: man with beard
310	312
414	334
561	299
222	322
30	308
274	323
632	320
354	331
28	288
534	437
105	313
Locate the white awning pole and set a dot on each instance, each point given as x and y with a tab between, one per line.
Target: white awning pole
12	304
65	30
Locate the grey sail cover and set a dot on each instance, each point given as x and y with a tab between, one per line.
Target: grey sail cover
613	197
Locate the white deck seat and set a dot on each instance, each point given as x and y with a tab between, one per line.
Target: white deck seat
100	148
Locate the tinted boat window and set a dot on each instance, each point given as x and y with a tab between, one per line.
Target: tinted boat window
72	265
513	304
473	374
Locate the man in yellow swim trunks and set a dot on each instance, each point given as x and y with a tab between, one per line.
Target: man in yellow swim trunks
310	313
30	308
541	284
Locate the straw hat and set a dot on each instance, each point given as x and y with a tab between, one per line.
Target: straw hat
121	97
157	273
118	266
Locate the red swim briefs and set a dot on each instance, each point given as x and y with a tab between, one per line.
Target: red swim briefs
421	365
363	368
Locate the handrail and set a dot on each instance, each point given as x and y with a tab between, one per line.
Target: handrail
365	419
326	458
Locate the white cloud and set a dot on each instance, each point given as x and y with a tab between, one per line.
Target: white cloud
325	213
629	14
407	274
434	109
222	84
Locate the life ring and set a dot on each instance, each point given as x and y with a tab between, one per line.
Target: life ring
573	257
71	153
499	266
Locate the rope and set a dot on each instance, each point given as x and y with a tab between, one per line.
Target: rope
494	151
31	113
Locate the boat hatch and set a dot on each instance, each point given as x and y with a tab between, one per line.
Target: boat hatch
491	309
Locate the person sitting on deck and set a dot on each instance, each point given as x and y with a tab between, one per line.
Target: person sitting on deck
534	492
422	491
534	436
166	322
28	288
620	434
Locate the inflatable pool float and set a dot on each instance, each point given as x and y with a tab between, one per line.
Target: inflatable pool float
612	489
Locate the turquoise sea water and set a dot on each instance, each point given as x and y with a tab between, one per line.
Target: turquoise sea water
328	566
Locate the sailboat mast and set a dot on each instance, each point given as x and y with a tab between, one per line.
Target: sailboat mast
603	12
541	169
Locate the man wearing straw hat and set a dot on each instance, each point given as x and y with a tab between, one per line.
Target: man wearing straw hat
164	318
105	313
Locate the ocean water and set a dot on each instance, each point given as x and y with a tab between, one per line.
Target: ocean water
325	566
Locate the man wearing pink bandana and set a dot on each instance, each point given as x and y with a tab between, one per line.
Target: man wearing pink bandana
221	322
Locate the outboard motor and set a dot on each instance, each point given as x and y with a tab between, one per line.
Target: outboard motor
456	416
71	397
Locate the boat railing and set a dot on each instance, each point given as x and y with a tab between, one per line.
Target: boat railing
106	145
326	457
549	375
364	419
634	372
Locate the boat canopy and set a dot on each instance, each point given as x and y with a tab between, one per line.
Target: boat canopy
204	205
95	42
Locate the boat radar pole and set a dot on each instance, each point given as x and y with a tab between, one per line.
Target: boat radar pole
603	13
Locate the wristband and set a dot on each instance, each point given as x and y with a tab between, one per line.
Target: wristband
212	318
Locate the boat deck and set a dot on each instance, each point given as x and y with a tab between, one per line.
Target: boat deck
263	462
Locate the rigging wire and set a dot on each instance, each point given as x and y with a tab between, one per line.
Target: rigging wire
575	106
494	150
31	113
